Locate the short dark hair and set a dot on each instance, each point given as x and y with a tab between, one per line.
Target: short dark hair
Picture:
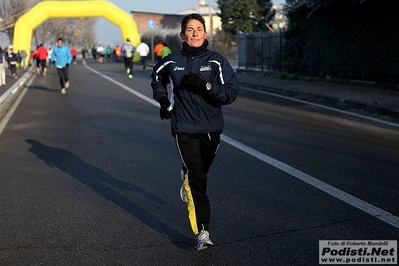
189	17
60	39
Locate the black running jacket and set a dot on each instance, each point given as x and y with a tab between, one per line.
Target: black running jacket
195	112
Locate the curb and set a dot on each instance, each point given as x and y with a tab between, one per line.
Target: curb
341	103
8	98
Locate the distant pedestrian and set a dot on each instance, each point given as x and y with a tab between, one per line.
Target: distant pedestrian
128	52
118	53
165	50
12	60
94	53
41	56
32	59
109	52
19	59
100	53
62	57
50	50
157	50
84	53
23	55
74	53
143	49
37	60
3	67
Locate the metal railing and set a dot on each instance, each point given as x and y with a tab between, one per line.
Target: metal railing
261	50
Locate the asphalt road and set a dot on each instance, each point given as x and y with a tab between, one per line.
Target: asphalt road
92	178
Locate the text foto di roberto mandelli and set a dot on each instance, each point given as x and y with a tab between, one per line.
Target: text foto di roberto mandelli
370	251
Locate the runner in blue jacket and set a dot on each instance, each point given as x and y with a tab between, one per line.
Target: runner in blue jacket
63	58
202	81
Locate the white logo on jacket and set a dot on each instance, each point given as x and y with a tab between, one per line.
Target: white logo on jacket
205	68
179	68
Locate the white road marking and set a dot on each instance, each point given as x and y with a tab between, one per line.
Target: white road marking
335	192
123	86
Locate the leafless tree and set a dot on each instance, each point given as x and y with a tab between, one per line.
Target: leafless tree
10	11
77	31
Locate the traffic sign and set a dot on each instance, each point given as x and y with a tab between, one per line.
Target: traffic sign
151	24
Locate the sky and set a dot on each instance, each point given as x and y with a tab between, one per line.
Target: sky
109	34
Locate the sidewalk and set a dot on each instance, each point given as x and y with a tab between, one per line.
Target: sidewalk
384	102
10	81
10	92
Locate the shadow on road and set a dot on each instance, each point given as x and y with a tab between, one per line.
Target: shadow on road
42	88
102	183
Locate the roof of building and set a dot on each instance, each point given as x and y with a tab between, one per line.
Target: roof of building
201	8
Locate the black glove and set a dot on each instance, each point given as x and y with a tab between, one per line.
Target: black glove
164	113
195	80
67	65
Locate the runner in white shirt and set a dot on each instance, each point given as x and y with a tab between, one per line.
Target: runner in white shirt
143	49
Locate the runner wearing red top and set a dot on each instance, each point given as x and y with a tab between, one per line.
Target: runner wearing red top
41	56
74	53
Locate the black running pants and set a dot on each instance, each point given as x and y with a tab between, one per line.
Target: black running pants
197	152
63	75
129	64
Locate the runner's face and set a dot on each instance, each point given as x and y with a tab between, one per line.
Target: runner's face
194	34
59	43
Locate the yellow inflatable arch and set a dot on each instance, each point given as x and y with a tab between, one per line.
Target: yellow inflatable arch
72	9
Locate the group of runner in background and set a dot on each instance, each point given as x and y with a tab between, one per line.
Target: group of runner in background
41	57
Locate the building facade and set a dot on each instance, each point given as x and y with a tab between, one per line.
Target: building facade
144	21
160	21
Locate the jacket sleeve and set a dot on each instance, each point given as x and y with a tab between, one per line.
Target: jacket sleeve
225	85
160	80
52	55
69	57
